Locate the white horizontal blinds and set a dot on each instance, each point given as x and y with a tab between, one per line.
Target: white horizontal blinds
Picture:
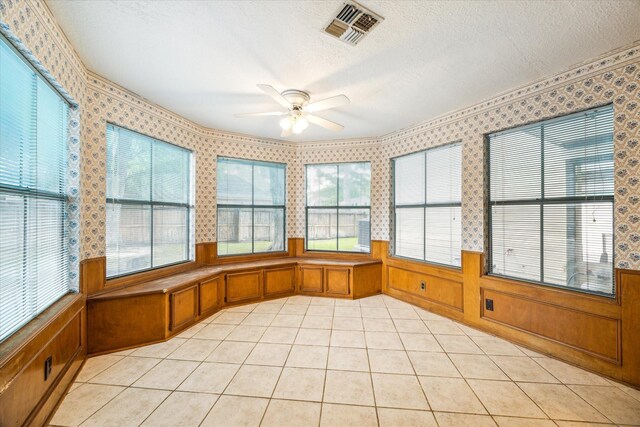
551	196
149	202
338	207
427	205
251	206
34	261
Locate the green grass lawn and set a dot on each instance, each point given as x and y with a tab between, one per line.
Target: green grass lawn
233	248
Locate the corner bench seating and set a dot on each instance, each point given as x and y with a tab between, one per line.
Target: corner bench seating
155	310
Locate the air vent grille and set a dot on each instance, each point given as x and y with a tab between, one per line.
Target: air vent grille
352	23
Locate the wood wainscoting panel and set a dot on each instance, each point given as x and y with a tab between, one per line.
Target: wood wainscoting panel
25	396
278	281
184	307
336	280
438	290
244	286
592	333
311	279
93	272
211	295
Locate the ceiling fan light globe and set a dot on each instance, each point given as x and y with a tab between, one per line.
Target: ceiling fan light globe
285	123
300	125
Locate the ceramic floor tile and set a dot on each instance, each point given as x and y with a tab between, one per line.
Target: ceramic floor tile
230	318
495	346
505	398
291	414
126	371
432	364
342	302
390	362
288	320
376	301
82	402
383	340
209	378
411	326
420	342
258	319
231	352
353	339
523	369
254	381
308	356
313	337
451	395
443	328
317	322
268	308
472	332
522	422
181	409
347	324
194	349
300	384
236	411
389	417
322	301
378	325
348	359
300	299
427	315
398	391
463	420
167	374
403	313
293	309
581	424
353	388
346	415
340	311
246	308
279	335
561	403
320	310
458	344
214	332
95	365
269	354
375	313
129	408
160	350
612	402
477	366
568	374
246	333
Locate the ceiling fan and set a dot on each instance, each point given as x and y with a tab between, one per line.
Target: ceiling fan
299	110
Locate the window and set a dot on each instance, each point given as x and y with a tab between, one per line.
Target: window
427	205
34	234
251	207
339	207
149	203
551	202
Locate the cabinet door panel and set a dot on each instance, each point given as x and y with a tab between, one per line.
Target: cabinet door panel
184	307
210	297
311	279
279	281
244	286
337	280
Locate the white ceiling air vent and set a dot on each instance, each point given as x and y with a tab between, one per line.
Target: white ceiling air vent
352	23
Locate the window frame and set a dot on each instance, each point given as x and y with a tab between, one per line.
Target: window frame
190	206
547	201
424	208
337	208
253	207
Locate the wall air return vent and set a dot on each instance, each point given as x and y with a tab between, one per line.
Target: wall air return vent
352	23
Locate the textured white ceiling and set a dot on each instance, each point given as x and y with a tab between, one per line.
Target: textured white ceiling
203	59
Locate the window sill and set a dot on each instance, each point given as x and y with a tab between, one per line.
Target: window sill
146	275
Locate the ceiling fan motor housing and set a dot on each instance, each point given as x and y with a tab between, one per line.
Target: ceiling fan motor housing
296	97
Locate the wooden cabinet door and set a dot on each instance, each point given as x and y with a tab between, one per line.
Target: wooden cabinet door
337	280
244	286
279	281
210	295
311	279
184	307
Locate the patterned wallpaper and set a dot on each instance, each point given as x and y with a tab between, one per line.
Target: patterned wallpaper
613	78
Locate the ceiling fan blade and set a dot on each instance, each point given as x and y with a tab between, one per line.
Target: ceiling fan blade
286	133
334	101
269	90
268	113
328	124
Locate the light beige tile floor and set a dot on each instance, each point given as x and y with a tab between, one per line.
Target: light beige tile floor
304	361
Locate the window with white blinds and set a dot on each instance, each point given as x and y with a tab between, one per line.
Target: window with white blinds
251	206
149	203
551	202
34	252
338	207
427	205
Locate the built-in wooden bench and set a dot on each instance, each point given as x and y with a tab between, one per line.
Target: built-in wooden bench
158	309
